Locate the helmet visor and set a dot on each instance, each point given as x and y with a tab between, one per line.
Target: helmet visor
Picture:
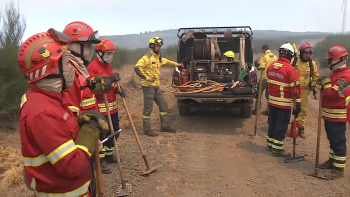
62	38
95	38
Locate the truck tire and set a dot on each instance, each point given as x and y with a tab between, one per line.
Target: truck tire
246	112
184	110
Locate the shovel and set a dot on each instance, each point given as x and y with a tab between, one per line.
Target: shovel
125	188
149	169
294	158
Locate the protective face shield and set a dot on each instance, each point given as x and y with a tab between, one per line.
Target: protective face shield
68	70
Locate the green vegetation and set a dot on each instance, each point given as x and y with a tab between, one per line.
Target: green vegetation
322	47
13	85
132	82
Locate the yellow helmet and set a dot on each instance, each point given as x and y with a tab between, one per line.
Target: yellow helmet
155	40
229	54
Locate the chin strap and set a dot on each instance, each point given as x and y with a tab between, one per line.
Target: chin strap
98	53
59	75
86	63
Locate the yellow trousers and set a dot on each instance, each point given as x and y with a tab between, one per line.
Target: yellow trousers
303	102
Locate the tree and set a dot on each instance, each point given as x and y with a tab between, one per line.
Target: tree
13	84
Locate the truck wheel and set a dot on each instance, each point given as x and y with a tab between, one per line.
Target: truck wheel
184	110
246	112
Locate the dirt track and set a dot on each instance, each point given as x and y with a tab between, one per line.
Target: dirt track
212	154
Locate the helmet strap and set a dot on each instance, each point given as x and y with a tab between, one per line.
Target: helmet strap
86	63
101	57
332	65
59	75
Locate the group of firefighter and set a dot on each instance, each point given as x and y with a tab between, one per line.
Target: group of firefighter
279	78
63	115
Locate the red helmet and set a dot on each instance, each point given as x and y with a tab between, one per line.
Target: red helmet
39	55
306	47
81	32
337	52
105	45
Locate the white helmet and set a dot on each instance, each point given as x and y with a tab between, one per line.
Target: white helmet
288	48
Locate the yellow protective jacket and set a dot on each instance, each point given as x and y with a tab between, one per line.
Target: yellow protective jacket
303	69
265	62
149	66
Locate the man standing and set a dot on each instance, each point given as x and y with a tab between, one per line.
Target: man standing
101	66
264	63
56	149
281	77
308	75
334	110
148	69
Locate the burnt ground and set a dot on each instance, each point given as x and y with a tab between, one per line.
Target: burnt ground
212	154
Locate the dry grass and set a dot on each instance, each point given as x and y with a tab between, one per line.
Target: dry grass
11	168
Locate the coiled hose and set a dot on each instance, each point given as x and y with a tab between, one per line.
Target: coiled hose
193	87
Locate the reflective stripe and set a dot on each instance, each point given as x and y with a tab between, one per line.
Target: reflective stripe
281	99
146	117
270	144
278	142
338	165
23	100
339	158
35	162
335	87
281	84
88	102
347	100
77	192
331	151
163	113
84	149
74	109
337	111
327	86
112	106
277	147
280	103
270	139
335	116
298	100
61	151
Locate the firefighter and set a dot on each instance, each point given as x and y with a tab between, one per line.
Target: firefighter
264	63
280	80
81	96
308	75
334	110
101	66
229	56
148	69
56	148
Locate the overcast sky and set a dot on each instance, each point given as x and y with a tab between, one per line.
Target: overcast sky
116	17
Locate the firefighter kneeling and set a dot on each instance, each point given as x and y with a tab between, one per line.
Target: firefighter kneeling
281	76
56	148
334	110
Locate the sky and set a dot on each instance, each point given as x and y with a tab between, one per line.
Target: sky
119	17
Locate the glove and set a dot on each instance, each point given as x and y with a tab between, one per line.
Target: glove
103	83
88	136
122	92
95	119
114	77
297	110
321	81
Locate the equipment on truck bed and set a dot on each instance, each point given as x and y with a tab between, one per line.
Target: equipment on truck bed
209	72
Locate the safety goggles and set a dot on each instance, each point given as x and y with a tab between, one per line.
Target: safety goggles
59	37
94	38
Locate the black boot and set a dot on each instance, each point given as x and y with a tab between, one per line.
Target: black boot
326	165
111	159
165	127
270	148
281	153
302	132
168	129
104	167
336	173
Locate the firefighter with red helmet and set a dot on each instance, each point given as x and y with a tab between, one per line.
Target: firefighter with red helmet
81	95
334	110
56	148
281	77
101	66
308	75
148	69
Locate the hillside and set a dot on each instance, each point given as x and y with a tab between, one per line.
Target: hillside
133	41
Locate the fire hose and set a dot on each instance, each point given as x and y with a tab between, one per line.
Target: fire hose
208	86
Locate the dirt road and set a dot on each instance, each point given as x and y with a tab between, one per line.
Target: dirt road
213	154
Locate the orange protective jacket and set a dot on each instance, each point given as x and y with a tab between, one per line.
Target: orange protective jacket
97	67
333	101
54	165
80	100
280	78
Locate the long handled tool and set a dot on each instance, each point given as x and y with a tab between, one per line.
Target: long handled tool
294	158
257	105
126	188
318	135
99	181
149	170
